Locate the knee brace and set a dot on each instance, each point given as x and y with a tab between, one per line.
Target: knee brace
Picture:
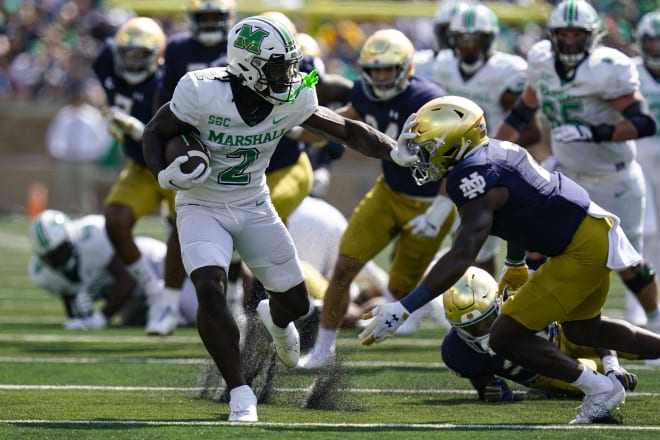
644	275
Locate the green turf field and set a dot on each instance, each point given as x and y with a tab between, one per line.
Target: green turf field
118	383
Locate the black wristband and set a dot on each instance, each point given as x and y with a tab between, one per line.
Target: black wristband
602	132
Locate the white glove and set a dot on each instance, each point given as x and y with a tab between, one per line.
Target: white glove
173	178
572	133
95	321
321	182
386	319
120	122
402	155
83	304
427	225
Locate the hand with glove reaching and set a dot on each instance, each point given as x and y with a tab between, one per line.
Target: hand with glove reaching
387	318
572	133
496	390
173	178
120	123
427	225
513	276
402	155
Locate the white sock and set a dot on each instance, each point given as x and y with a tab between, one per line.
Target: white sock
325	339
592	382
610	363
145	275
239	390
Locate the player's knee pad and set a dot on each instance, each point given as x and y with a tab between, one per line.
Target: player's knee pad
644	275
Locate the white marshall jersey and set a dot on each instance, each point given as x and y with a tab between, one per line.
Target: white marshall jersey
423	61
605	75
501	73
94	252
239	153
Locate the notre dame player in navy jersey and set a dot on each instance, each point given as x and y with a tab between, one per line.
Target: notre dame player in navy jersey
384	96
471	306
500	190
128	68
198	48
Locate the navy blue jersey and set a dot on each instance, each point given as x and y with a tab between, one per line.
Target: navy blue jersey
470	364
136	100
183	54
388	117
544	209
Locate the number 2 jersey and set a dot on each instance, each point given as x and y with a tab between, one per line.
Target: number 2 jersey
544	209
240	153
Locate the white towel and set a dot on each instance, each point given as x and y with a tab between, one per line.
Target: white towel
621	253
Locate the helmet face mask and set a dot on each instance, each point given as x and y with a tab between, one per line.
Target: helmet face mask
472	34
447	129
573	15
471	305
265	56
210	20
386	64
138	49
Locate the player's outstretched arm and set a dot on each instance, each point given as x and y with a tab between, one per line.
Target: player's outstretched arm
355	134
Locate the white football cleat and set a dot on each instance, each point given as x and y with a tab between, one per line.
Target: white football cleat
286	340
317	358
599	405
242	405
163	314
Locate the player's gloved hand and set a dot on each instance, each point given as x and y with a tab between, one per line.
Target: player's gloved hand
628	380
572	133
121	122
497	390
513	276
95	321
83	304
321	182
386	319
402	155
174	179
427	225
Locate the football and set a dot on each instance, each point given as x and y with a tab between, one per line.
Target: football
187	145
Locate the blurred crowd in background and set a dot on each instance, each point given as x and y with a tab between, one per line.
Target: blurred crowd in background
47	46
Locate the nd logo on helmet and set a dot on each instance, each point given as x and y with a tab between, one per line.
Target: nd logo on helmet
249	40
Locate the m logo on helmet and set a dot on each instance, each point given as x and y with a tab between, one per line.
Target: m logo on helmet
250	40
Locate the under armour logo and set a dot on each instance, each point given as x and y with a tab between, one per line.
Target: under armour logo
473	186
394	320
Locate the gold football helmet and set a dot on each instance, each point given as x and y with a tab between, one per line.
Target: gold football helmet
447	129
138	49
210	20
468	305
386	48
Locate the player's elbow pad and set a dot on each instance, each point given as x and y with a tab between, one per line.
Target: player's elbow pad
642	121
520	115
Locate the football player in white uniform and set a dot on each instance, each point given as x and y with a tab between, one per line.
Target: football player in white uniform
648	153
76	261
473	69
590	95
425	59
241	112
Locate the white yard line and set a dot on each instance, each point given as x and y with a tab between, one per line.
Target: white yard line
402	426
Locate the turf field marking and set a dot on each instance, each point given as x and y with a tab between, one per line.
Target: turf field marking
416	426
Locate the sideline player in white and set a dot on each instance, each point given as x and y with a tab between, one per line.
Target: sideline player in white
474	69
76	261
240	113
590	95
648	148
